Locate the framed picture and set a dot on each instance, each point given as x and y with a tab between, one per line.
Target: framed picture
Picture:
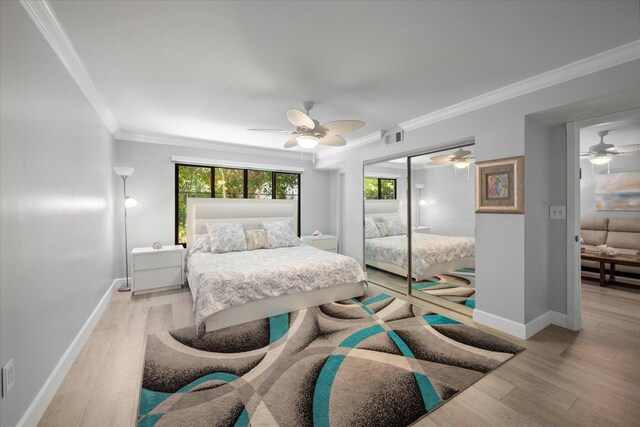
618	192
500	186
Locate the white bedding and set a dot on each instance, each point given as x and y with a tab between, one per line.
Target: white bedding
428	249
220	281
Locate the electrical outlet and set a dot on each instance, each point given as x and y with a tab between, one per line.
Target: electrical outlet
7	377
558	212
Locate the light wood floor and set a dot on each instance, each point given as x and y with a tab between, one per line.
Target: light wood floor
591	378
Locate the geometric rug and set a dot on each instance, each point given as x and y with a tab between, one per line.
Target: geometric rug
369	361
457	286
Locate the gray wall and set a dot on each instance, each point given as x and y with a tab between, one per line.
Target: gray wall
57	221
450	200
628	163
536	237
153	186
498	131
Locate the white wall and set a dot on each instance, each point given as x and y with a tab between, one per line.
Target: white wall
153	186
498	131
57	221
449	197
628	163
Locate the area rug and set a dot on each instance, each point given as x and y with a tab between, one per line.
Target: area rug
457	286
371	361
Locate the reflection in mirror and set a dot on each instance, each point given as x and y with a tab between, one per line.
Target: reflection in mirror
385	222
443	228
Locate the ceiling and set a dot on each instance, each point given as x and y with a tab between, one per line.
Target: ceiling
210	70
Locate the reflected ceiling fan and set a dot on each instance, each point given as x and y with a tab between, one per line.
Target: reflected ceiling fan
310	132
602	153
460	159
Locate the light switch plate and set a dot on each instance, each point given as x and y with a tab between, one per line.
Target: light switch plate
7	377
558	212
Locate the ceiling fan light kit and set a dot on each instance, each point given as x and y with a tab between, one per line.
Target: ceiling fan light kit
309	132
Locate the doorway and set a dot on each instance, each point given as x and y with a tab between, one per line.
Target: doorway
603	205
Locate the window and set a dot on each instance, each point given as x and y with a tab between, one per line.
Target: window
379	188
228	183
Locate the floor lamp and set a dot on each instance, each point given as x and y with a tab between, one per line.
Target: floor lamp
421	202
129	202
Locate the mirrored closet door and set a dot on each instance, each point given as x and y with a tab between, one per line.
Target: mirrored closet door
386	223
430	215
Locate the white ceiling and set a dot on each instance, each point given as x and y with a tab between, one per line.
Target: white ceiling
210	70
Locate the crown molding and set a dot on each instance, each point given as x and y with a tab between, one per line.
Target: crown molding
212	145
607	59
42	15
367	139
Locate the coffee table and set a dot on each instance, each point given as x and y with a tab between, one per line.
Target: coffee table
612	261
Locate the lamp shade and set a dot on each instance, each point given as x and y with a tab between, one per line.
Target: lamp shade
419	186
123	170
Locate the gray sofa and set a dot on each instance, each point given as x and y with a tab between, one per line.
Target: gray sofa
620	233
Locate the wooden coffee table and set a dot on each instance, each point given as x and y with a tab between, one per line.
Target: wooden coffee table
612	261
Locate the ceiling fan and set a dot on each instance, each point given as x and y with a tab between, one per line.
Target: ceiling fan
602	153
460	159
310	132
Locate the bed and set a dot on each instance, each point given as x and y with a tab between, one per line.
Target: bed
432	254
236	287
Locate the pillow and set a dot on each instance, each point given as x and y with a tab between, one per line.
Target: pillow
280	234
256	239
390	226
202	244
227	237
370	228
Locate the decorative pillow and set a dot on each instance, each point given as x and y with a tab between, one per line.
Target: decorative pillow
256	239
280	234
370	228
227	237
390	226
202	244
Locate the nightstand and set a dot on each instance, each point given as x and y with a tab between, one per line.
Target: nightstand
421	229
157	269
325	242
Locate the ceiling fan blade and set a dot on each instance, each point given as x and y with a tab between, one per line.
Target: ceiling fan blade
588	154
333	141
624	149
437	163
300	119
444	157
340	127
291	143
291	132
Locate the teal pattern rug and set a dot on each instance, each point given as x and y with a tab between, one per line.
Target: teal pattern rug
370	361
457	286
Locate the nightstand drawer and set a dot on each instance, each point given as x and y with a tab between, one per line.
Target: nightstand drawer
326	244
158	260
157	278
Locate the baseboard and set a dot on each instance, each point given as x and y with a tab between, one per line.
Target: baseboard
520	330
39	404
544	320
501	324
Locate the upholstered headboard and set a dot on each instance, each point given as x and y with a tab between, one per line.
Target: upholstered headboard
248	212
381	208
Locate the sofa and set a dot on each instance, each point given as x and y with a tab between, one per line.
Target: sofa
620	233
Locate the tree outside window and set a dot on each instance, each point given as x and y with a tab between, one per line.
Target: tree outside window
379	188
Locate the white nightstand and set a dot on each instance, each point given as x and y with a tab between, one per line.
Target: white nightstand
157	269
421	229
325	242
